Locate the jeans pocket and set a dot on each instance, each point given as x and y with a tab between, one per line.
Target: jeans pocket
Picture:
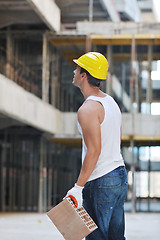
110	182
107	197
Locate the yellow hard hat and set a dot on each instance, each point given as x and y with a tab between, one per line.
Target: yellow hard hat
95	63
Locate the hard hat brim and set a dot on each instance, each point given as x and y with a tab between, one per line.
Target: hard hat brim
78	63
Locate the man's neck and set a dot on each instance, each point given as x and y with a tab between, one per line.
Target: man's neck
95	91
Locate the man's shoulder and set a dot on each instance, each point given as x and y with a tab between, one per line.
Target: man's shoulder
89	106
83	110
88	111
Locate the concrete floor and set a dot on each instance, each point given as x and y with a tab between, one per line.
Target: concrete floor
34	226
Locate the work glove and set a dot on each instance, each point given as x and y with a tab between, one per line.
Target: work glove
75	194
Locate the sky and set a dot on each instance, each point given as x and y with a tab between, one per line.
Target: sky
157	8
155	75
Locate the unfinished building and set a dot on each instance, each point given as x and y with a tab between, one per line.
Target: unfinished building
40	147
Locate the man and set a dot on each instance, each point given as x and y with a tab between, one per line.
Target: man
102	179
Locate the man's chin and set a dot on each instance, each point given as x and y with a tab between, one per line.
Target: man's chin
73	82
75	85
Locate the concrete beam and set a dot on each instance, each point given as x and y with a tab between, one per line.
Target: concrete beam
119	29
48	11
30	110
18	104
111	9
7	122
141	126
130	9
138	126
70	124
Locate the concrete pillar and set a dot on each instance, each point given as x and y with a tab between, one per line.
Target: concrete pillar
139	87
132	86
45	69
52	85
132	79
54	76
133	178
149	85
137	90
3	178
42	199
9	54
55	184
123	83
50	178
110	70
90	10
3	171
88	43
149	180
16	63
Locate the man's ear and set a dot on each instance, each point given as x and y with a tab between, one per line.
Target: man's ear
84	74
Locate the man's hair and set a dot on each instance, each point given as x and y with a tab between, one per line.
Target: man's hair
91	80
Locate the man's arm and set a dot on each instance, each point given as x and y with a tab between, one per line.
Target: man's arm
89	120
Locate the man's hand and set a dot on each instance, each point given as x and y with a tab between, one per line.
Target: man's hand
75	194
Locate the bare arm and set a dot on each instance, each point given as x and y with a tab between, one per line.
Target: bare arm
89	121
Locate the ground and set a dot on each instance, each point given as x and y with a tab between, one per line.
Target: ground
35	226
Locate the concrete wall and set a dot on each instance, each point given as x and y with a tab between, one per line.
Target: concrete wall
141	125
18	104
70	124
147	16
115	28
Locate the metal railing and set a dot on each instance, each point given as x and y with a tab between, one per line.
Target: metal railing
18	72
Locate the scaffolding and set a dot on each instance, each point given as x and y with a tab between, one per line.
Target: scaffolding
36	171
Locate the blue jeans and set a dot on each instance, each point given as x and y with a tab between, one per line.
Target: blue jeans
103	199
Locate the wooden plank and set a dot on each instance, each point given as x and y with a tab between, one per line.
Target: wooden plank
68	41
107	39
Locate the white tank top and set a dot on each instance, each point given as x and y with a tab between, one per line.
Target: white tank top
110	156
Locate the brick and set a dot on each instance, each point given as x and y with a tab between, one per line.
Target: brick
72	223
